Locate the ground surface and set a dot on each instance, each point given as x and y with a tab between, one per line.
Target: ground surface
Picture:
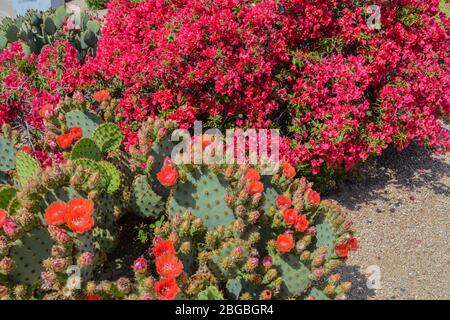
401	208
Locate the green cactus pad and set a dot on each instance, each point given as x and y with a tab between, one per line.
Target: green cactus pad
325	234
87	121
238	286
7	193
188	260
86	148
318	294
108	137
85	243
13	206
295	275
160	151
210	293
28	254
271	193
120	161
26	166
95	166
203	194
7	155
104	240
113	176
145	202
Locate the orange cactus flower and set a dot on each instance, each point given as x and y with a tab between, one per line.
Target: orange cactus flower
81	205
168	176
168	266
101	96
284	243
302	223
255	187
3	217
64	141
288	170
55	214
342	250
252	175
163	247
283	202
166	289
313	197
79	221
290	216
76	133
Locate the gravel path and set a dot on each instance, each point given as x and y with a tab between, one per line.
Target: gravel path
400	205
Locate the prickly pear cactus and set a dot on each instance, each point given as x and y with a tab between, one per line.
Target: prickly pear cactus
7	155
203	193
144	201
87	121
26	166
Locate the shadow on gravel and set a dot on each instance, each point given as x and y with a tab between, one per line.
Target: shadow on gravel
411	169
359	289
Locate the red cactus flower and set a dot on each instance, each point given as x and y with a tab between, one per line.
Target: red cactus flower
166	289
93	297
302	223
207	139
168	266
255	187
3	217
55	214
353	243
168	176
313	197
266	295
252	175
81	205
101	96
163	247
79	221
64	141
76	133
288	170
284	243
26	149
342	250
290	216
283	202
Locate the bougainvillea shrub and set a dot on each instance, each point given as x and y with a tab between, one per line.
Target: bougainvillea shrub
337	89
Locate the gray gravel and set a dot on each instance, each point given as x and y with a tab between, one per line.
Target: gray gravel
400	205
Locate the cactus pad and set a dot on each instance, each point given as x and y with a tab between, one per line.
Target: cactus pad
87	121
7	155
86	148
225	252
95	167
26	166
33	248
318	294
238	286
160	151
145	202
113	176
325	234
210	293
295	275
203	194
108	137
7	193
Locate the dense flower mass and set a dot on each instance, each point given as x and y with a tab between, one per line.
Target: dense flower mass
338	90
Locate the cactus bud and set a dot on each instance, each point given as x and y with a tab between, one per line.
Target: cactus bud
267	262
329	290
123	285
148	283
140	265
239	211
91	288
334	279
266	295
106	286
6	265
86	259
3	291
93	195
237	253
58	250
185	247
318	260
305	256
20	291
75	180
253	216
